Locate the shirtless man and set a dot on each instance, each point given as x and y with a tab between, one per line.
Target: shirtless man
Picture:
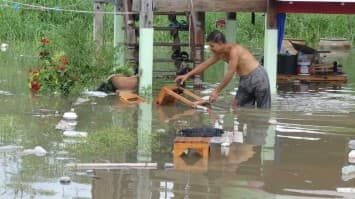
254	82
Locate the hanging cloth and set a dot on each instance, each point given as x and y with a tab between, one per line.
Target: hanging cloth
281	18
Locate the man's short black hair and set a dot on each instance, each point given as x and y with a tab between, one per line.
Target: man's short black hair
217	37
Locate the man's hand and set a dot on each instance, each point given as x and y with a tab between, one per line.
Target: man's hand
213	96
181	79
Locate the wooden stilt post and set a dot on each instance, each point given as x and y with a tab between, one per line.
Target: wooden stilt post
131	39
98	23
197	35
118	40
270	45
231	31
146	33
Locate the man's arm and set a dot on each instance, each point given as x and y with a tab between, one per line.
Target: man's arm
198	69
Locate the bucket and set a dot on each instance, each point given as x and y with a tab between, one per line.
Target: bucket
303	67
286	64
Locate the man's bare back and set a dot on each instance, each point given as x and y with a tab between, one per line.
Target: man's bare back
246	61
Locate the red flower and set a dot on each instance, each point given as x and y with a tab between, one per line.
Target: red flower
45	40
62	67
35	86
64	60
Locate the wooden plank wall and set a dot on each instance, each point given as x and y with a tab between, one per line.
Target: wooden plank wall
210	5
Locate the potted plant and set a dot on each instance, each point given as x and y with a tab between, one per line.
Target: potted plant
124	78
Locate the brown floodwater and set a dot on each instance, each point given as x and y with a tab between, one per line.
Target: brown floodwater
297	149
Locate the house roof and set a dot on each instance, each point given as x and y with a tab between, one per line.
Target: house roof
321	1
317	6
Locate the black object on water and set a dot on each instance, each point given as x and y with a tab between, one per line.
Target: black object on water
107	87
201	132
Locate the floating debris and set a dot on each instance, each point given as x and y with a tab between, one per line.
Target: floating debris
64	180
88	166
352	144
45	113
10	148
351	156
94	93
161	130
71	115
66	125
80	100
346	189
70	133
348	169
38	151
5	93
4	47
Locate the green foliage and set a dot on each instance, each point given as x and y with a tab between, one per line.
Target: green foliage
109	143
8	130
125	70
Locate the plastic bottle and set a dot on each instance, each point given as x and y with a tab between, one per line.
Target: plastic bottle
340	68
351	156
352	144
303	64
348	169
324	59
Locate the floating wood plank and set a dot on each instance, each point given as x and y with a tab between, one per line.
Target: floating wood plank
84	166
313	78
209	5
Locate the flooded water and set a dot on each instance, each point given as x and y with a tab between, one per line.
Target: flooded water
298	149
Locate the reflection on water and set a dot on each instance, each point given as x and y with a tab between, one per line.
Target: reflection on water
297	149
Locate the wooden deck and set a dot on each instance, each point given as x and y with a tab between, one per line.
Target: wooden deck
209	5
313	78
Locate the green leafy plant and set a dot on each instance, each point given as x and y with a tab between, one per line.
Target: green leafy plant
124	70
54	73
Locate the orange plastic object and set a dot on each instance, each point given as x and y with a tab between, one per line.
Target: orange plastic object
200	144
168	95
130	98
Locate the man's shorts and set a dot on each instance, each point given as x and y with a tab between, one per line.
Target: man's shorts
254	88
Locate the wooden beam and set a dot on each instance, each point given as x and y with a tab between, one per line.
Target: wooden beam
210	5
146	14
313	78
84	166
98	24
316	7
271	14
197	43
131	39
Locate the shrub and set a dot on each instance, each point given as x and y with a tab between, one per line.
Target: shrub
54	72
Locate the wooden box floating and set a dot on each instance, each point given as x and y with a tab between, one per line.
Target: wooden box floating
200	144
